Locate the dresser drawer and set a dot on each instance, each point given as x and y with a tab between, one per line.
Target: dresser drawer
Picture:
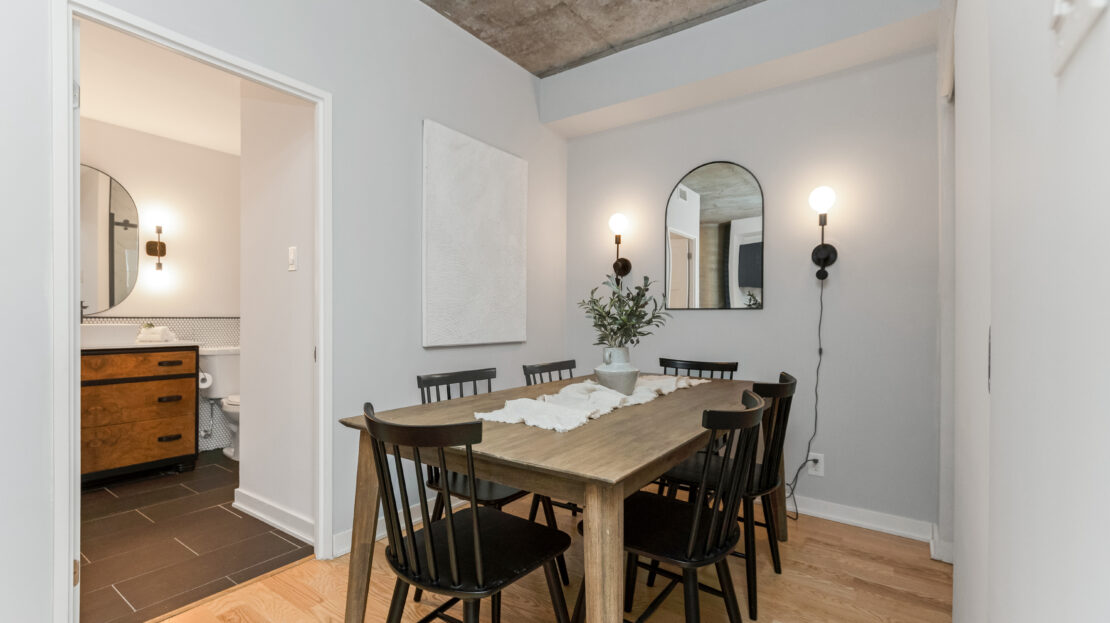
121	445
119	403
137	365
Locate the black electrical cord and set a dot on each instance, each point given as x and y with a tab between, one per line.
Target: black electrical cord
790	487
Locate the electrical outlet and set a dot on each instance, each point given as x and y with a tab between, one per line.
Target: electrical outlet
816	464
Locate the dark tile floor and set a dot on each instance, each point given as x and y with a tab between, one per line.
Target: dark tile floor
159	541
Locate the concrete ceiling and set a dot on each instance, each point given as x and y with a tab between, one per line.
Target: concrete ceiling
549	36
135	84
728	192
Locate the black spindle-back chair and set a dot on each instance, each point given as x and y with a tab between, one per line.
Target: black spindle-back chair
715	369
702	533
534	372
450	386
447	556
767	477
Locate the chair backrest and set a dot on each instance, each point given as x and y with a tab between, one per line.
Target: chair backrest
741	435
778	397
534	373
448	385
397	441
719	368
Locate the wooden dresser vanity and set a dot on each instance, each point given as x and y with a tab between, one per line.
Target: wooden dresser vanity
138	409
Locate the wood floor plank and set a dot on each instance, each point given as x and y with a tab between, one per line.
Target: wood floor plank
832	573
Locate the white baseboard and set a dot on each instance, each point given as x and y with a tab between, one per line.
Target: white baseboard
276	515
940	549
915	529
341	541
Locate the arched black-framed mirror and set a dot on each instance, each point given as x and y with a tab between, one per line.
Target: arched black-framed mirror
109	241
714	239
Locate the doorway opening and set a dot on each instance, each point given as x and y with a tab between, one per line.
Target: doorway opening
209	178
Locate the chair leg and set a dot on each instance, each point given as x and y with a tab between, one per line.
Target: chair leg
630	568
535	508
749	553
472	609
690	586
556	590
549	514
580	605
772	532
397	605
724	577
495	608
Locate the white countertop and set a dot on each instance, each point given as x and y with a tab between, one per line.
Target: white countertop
122	345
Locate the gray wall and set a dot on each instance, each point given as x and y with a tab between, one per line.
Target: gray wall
871	134
379	62
25	466
389	64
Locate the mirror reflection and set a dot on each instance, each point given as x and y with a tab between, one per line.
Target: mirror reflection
715	239
109	241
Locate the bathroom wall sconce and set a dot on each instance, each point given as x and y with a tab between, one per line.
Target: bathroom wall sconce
618	224
824	255
157	248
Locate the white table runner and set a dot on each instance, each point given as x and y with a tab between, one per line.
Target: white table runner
578	403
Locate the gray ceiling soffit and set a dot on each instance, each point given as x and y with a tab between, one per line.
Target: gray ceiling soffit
549	36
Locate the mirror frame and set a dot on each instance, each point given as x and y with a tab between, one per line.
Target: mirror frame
666	241
139	246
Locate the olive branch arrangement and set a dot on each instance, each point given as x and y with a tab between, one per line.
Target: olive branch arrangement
626	315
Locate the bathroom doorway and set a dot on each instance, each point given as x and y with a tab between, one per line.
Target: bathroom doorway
231	264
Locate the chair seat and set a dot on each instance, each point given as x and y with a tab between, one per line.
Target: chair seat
488	492
521	547
659	528
689	472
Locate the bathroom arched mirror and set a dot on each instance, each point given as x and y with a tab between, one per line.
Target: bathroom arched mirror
109	241
714	240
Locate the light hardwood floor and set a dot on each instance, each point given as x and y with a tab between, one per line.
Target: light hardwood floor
831	573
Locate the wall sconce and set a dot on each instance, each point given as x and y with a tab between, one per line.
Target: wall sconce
618	224
824	255
156	248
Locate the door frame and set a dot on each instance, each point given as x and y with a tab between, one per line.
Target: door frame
65	294
692	268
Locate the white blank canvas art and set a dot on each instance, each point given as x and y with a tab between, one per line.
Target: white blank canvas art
475	257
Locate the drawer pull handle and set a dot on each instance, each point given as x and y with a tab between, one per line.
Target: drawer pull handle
169	398
166	438
170	363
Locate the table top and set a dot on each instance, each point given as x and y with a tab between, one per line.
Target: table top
607	450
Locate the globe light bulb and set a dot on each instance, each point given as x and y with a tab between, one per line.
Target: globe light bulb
618	223
821	199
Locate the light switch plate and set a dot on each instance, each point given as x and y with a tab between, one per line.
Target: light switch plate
292	258
1072	21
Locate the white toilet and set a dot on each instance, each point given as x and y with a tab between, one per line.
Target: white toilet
222	364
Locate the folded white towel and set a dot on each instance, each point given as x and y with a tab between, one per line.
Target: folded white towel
156	334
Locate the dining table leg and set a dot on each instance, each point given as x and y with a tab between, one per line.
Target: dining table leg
603	537
367	500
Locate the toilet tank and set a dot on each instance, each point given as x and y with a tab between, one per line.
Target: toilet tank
222	364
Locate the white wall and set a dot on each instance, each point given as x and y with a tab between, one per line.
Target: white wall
277	428
871	134
26	473
193	192
1045	163
760	34
971	435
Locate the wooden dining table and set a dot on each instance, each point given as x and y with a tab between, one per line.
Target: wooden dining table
596	466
